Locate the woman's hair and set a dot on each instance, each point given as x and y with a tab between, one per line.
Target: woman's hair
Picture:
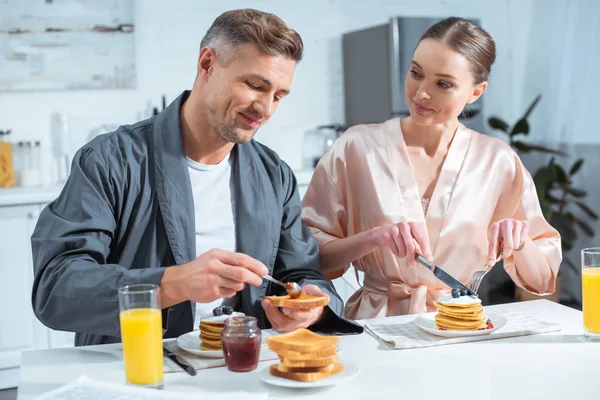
265	30
469	40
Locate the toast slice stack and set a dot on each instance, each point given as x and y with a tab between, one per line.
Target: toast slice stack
305	356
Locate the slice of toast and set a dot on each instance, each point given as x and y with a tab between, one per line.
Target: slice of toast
284	368
305	376
314	363
304	302
298	356
300	340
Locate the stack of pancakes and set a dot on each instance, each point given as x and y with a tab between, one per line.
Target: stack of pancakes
305	356
460	314
210	331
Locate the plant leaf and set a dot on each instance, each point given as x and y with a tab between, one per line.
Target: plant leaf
532	106
576	167
585	227
561	175
591	213
469	113
565	228
569	217
526	148
579	193
522	126
543	178
546	208
498	124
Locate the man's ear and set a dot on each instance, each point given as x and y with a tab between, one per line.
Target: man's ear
206	62
477	92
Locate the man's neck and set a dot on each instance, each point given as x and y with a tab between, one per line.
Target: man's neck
201	142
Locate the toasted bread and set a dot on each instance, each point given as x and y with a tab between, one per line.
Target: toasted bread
304	302
297	356
305	376
314	363
300	340
284	368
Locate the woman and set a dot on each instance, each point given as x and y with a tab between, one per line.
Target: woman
426	184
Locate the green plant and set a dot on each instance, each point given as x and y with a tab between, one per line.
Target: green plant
558	197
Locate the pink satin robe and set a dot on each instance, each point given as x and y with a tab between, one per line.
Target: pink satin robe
366	180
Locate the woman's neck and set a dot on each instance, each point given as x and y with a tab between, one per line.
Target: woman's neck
431	139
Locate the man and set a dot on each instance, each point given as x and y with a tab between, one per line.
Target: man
191	191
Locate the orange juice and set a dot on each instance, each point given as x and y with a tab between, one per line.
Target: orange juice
141	333
591	299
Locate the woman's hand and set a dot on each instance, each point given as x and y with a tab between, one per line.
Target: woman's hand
404	239
509	234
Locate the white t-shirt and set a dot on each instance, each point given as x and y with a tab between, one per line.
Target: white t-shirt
214	206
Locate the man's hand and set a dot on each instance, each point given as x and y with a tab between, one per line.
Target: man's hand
213	275
290	319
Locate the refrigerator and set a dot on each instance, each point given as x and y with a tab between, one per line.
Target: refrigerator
376	61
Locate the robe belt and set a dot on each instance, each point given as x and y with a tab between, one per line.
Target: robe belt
416	295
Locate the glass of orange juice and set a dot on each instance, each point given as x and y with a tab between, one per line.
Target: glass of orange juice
590	280
141	333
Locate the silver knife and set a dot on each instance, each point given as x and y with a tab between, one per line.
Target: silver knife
182	362
444	276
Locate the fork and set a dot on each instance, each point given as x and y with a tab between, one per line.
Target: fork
477	276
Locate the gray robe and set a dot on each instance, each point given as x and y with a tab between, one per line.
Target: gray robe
127	211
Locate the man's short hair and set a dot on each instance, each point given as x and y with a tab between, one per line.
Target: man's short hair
265	30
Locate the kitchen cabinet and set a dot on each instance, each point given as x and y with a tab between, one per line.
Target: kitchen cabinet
20	330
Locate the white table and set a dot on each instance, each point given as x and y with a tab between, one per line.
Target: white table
552	366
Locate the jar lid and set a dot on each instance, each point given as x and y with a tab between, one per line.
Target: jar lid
240	321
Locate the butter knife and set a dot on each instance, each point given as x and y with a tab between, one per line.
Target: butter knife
444	276
182	362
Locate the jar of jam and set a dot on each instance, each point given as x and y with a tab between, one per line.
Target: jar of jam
241	341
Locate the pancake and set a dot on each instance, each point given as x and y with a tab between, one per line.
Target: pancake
210	331
209	338
462	313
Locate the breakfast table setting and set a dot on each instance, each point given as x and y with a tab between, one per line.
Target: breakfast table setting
544	358
534	349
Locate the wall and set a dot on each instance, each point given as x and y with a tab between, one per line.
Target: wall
167	38
543	46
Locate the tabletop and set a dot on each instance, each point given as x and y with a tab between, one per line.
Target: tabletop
558	365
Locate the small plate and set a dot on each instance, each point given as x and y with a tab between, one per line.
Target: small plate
349	372
190	342
427	323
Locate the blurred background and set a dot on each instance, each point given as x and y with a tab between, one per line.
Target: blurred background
72	69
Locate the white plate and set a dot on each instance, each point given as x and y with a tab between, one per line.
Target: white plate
190	342
427	323
349	372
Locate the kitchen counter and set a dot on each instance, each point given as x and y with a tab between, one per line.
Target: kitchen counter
29	195
46	194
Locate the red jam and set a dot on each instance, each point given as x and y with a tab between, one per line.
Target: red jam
241	340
